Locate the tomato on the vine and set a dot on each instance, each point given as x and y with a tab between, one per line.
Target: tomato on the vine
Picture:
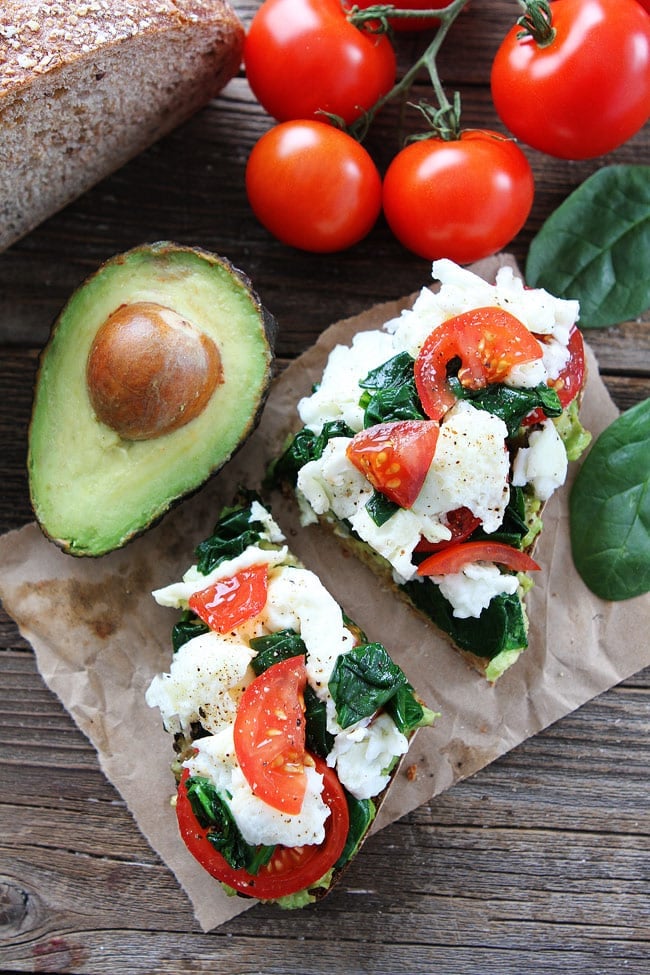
290	869
304	57
395	457
463	199
313	186
586	90
406	23
488	342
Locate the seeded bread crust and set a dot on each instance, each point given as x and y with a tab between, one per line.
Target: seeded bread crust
86	86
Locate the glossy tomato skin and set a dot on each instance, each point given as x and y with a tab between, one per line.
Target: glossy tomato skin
408	23
585	93
313	186
463	199
269	735
395	457
454	558
571	379
231	601
289	870
487	341
303	57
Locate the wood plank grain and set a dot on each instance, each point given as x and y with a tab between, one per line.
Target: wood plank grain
538	863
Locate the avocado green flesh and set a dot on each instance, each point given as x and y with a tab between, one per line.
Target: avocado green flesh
91	490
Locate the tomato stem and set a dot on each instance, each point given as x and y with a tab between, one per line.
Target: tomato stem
537	22
445	120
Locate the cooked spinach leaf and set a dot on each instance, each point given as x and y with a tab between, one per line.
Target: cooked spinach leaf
407	712
303	447
212	813
317	737
499	627
274	647
514	527
187	627
361	813
390	392
609	509
380	508
362	681
595	247
231	535
511	404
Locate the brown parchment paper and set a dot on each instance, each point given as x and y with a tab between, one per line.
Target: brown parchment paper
99	637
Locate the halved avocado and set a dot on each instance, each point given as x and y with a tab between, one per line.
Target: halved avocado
156	371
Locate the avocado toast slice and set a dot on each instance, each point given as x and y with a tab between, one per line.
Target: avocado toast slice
288	724
431	445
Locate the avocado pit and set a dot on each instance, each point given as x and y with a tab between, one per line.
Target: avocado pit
150	371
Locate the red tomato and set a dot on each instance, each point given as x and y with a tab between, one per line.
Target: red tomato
488	342
269	735
395	457
313	186
571	379
463	199
453	559
231	601
303	57
290	869
407	23
588	90
461	522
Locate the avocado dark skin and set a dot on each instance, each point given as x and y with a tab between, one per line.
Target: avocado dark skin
155	373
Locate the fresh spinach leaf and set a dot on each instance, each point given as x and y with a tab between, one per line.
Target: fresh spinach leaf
609	509
212	813
362	681
596	247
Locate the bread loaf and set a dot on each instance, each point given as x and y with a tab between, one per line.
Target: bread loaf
85	85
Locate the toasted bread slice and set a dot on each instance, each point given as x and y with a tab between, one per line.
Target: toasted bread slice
85	87
498	370
272	690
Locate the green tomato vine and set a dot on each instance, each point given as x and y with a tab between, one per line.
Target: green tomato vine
444	120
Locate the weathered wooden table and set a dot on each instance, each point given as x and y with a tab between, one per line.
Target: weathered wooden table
539	863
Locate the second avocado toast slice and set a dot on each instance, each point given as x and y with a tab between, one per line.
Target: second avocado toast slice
431	446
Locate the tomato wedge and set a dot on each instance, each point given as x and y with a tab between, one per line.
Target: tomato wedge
456	557
461	522
231	601
488	342
290	869
269	735
395	457
570	381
